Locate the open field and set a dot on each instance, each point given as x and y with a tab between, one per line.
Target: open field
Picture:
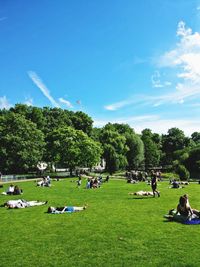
115	230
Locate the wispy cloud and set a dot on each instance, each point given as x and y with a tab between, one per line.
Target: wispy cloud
39	83
118	105
156	81
66	102
185	61
127	102
4	103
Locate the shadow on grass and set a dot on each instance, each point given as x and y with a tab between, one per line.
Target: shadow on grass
168	221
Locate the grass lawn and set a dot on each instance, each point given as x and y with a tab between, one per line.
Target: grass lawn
115	230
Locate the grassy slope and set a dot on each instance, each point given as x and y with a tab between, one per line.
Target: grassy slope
116	229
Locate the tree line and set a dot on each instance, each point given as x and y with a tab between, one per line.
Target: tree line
29	135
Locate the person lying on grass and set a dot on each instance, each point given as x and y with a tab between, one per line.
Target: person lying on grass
58	210
22	203
142	193
184	210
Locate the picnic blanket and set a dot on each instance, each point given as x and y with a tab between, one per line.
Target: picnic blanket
193	221
182	219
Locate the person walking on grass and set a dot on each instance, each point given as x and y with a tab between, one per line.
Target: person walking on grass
79	181
154	185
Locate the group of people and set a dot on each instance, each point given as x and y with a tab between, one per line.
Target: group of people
92	182
153	183
22	203
136	176
176	184
46	181
13	190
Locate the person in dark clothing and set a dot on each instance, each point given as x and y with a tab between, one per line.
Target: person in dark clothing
154	185
107	178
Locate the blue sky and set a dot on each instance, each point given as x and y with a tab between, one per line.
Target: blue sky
135	62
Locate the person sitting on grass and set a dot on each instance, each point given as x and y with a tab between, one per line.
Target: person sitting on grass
59	210
22	203
13	190
17	190
184	208
175	184
10	190
183	211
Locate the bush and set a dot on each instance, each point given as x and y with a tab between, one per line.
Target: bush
182	172
170	175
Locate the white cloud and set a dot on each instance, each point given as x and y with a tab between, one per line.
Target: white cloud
39	83
118	105
4	103
135	99
161	126
185	60
155	123
66	102
156	82
128	120
29	102
186	56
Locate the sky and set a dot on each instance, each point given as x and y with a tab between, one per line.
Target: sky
124	61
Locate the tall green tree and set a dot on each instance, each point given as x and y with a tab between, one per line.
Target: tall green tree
135	153
174	140
192	162
114	149
196	137
151	148
21	144
81	121
72	148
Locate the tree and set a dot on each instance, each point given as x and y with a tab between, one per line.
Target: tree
135	154
182	172
135	147
82	121
21	144
72	148
114	149
173	141
95	135
56	118
192	163
196	137
151	148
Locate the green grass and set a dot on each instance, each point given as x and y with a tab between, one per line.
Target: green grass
116	230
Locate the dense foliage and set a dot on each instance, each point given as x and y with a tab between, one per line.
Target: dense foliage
65	138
